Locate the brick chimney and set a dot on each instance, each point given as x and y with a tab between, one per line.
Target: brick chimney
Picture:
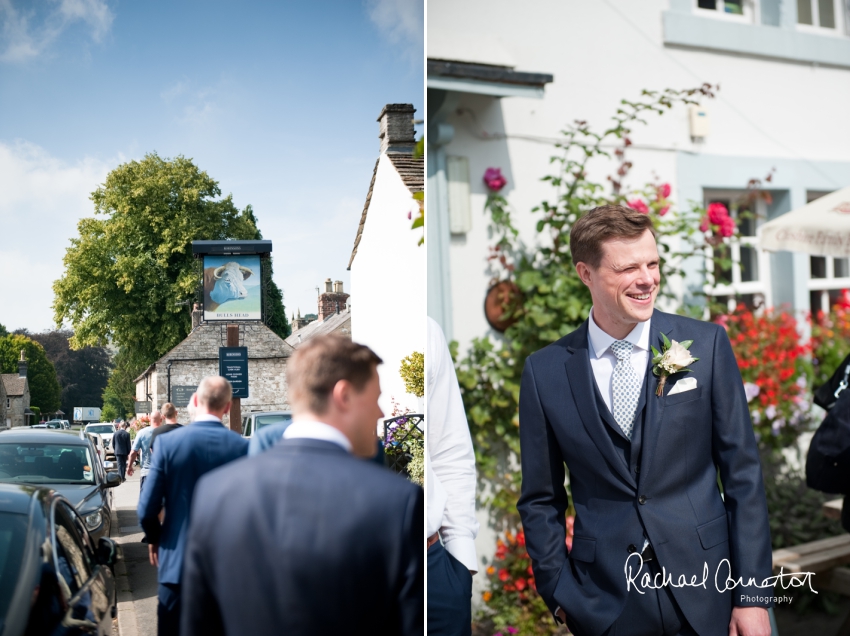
197	314
22	365
397	135
333	301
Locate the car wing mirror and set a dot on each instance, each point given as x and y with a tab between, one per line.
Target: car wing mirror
107	551
113	479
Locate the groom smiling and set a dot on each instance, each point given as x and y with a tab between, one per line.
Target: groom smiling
645	428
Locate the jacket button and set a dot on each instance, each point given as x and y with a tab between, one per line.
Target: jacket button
632	548
637	469
642	499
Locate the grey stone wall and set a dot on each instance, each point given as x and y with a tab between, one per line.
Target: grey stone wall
197	357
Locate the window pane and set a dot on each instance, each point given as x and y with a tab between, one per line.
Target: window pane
826	13
842	267
706	4
815	302
818	266
749	264
804	11
734	6
836	296
746	222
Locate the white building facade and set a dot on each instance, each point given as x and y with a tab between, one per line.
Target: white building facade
387	264
502	83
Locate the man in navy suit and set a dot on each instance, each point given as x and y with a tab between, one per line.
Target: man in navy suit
643	465
307	538
181	458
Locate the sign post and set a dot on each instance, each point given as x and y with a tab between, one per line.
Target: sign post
233	365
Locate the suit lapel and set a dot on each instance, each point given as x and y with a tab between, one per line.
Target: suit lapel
581	380
654	404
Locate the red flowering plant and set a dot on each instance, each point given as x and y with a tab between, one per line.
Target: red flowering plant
774	369
830	339
512	605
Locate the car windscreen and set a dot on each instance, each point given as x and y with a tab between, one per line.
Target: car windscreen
13	533
264	420
104	428
38	463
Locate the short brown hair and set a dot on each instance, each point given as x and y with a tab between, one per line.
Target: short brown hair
169	411
214	392
602	224
321	362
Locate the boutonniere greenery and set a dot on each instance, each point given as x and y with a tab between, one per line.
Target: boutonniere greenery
673	358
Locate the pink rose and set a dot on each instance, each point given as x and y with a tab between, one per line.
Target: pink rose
664	210
717	212
703	226
494	180
639	206
664	190
727	227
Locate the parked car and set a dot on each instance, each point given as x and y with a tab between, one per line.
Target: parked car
97	440
106	430
59	424
56	579
252	422
66	463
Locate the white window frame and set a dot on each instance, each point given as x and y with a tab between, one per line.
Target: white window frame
750	16
840	20
737	287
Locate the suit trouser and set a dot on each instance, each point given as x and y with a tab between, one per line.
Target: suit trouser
449	594
168	610
121	460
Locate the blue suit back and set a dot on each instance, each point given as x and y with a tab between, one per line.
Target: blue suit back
181	458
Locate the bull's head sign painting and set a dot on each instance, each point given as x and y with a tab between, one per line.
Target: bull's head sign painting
232	289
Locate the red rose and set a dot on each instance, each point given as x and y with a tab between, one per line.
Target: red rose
504	575
716	213
664	190
639	206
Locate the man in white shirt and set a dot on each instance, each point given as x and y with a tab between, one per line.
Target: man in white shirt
320	542
450	475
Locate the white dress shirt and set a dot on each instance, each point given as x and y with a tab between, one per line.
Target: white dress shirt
603	360
449	458
308	429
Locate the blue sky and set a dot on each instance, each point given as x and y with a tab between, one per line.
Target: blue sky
277	101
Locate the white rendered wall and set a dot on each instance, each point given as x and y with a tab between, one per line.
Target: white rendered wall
600	53
388	284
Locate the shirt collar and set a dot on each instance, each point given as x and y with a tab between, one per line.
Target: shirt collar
601	341
317	430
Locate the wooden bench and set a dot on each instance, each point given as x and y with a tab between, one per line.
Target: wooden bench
825	559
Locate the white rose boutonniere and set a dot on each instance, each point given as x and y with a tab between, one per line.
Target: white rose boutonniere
673	358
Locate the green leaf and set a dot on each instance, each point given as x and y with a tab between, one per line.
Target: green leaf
666	341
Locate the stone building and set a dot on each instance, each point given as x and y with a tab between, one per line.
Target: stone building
334	316
176	374
15	396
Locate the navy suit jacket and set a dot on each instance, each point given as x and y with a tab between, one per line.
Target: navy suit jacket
121	443
305	539
182	457
671	495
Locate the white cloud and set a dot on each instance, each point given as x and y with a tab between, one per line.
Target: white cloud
41	200
401	22
28	33
195	106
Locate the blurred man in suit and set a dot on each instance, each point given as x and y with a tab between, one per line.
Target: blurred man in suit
306	538
181	458
121	447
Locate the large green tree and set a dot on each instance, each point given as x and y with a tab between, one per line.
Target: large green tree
120	393
131	266
41	375
82	373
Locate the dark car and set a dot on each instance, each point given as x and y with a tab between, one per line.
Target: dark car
61	460
53	578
